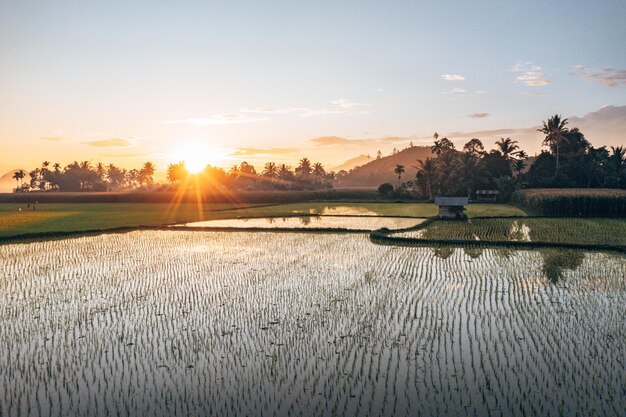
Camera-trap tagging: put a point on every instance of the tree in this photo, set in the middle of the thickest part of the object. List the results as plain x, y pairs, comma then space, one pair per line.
426, 176
554, 130
303, 170
474, 147
399, 170
270, 170
519, 165
115, 175
470, 172
617, 164
496, 164
508, 148
318, 170
284, 173
146, 174
442, 146
18, 176
176, 172
385, 189
379, 154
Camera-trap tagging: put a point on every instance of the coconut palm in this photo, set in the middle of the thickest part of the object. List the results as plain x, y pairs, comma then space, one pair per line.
426, 175
554, 130
18, 176
508, 148
304, 168
470, 171
442, 145
270, 170
318, 170
399, 170
617, 163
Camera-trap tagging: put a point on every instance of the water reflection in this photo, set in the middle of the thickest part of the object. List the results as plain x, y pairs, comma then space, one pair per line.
556, 261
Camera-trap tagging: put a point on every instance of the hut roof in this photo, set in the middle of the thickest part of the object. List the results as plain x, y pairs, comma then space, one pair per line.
451, 201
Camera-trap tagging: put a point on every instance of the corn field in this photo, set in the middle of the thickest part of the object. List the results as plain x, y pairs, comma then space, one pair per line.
166, 323
574, 202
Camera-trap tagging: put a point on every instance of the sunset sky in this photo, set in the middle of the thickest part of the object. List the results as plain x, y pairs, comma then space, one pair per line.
130, 81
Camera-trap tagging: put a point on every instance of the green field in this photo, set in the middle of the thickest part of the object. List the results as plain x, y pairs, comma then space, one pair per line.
102, 216
593, 231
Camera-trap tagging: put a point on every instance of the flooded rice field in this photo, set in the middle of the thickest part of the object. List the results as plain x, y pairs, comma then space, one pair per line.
163, 323
313, 222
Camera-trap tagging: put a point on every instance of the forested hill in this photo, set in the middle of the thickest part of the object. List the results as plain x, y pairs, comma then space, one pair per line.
379, 171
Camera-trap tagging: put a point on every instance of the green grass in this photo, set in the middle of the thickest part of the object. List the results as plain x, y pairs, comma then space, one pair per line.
594, 231
102, 216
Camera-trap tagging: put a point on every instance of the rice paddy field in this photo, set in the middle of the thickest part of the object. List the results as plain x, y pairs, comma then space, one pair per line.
173, 322
312, 222
593, 231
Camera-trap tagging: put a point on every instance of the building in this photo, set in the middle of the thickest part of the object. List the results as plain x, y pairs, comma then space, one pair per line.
451, 207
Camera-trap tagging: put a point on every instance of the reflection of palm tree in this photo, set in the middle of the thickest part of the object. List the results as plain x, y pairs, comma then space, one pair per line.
399, 170
305, 220
443, 252
555, 131
473, 253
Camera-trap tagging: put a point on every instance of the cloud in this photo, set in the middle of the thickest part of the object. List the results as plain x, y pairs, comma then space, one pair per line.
457, 90
271, 110
326, 141
610, 77
264, 152
453, 77
478, 115
342, 106
105, 143
53, 138
531, 75
122, 155
219, 119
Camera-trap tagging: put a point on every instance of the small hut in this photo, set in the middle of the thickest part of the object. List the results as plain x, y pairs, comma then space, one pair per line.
451, 207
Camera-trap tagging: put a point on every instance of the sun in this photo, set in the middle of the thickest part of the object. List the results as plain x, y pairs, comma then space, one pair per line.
195, 155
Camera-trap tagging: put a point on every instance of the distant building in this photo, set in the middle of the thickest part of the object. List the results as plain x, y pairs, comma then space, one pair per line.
487, 195
451, 207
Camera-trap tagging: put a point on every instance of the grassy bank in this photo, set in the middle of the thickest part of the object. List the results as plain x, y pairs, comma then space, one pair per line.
99, 216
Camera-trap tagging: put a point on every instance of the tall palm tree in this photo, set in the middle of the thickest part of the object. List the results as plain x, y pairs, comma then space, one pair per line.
555, 131
318, 170
470, 171
399, 170
304, 168
270, 170
17, 176
284, 172
426, 175
508, 148
617, 162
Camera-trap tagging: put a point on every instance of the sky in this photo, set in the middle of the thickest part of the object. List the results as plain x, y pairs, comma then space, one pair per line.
220, 82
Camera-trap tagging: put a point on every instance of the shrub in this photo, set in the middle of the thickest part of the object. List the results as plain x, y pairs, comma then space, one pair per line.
385, 189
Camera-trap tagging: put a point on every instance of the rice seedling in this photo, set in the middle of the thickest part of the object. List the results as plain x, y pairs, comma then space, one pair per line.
165, 323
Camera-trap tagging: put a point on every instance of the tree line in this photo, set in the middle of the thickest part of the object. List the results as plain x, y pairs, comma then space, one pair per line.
570, 161
305, 176
84, 176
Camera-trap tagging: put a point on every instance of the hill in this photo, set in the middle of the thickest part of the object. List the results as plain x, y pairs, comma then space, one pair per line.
7, 183
380, 170
353, 163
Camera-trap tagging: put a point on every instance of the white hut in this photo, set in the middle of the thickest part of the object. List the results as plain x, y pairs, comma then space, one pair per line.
451, 207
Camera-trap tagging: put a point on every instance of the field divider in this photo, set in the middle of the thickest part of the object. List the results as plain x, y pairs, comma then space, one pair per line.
383, 237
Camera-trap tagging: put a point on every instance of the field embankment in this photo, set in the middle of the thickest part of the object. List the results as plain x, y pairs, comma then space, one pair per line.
573, 202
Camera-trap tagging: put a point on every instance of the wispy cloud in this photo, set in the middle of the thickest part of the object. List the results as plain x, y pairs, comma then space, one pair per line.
453, 77
264, 152
610, 77
272, 110
530, 75
53, 138
105, 143
457, 90
326, 141
478, 115
341, 106
219, 119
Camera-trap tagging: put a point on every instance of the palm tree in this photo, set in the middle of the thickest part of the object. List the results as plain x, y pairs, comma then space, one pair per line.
284, 172
318, 170
554, 130
617, 162
270, 170
18, 176
441, 146
304, 168
470, 171
57, 167
508, 148
399, 170
426, 175
519, 165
